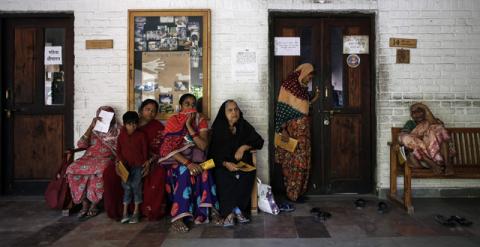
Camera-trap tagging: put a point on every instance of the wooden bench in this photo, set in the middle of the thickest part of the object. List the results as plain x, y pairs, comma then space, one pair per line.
466, 163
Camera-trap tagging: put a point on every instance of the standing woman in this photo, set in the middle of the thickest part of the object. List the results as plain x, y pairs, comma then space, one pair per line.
292, 120
190, 188
153, 206
232, 138
85, 175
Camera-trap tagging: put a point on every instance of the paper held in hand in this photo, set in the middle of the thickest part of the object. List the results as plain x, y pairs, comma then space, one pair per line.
122, 171
104, 125
244, 167
209, 164
289, 146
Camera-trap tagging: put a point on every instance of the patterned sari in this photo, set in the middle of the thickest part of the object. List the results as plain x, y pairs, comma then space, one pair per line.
292, 115
85, 175
191, 196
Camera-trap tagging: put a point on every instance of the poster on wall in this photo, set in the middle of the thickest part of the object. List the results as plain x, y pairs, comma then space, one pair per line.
244, 66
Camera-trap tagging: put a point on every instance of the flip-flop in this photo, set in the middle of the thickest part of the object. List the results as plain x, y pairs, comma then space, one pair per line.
82, 214
440, 219
360, 203
460, 220
382, 208
286, 207
322, 216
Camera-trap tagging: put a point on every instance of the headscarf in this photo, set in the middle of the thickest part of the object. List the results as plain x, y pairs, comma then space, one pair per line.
293, 99
428, 114
224, 144
109, 138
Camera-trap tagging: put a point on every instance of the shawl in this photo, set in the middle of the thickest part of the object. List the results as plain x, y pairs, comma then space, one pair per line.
293, 99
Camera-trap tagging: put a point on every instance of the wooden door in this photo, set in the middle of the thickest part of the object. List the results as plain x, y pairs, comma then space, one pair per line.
342, 125
37, 91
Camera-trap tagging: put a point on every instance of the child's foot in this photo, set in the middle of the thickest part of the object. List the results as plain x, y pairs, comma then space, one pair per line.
125, 219
135, 219
229, 221
241, 218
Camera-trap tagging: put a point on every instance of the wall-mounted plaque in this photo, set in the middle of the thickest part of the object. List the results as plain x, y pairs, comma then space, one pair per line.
99, 44
407, 43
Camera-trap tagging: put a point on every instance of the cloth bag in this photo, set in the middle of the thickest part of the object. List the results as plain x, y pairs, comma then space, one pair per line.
57, 194
266, 202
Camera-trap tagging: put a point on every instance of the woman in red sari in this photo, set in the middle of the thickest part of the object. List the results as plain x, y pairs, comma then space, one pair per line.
85, 174
153, 206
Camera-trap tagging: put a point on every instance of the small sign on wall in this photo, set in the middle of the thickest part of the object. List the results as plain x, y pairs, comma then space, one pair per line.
403, 56
407, 43
99, 44
53, 55
287, 46
355, 44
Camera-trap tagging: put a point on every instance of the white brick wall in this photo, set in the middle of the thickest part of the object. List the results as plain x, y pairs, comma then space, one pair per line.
444, 70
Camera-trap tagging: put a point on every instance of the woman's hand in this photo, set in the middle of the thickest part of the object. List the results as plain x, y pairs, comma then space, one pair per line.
240, 151
194, 168
191, 117
230, 166
94, 121
285, 135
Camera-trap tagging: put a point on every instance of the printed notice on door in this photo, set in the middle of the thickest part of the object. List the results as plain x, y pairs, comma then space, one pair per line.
53, 55
245, 67
287, 46
355, 44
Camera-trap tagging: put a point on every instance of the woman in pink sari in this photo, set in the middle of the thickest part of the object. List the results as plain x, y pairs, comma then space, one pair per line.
426, 140
85, 175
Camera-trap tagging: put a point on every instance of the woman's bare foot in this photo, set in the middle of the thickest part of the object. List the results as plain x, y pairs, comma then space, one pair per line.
179, 226
216, 218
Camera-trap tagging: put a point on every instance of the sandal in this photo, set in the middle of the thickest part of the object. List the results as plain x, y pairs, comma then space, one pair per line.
179, 226
444, 221
322, 216
216, 218
83, 213
199, 220
229, 221
360, 203
382, 207
460, 220
242, 219
92, 212
286, 207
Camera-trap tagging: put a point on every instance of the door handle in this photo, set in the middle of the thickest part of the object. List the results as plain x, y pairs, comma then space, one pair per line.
8, 112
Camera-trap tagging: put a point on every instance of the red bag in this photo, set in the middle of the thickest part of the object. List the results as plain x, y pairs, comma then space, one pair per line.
57, 194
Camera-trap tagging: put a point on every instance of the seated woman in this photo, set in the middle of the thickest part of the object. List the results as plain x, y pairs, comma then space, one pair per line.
85, 175
232, 138
190, 188
426, 140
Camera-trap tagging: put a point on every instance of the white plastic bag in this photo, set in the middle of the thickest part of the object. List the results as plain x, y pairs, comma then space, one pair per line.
266, 202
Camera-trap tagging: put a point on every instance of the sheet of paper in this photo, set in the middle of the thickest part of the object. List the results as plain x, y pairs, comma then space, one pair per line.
244, 66
104, 125
287, 46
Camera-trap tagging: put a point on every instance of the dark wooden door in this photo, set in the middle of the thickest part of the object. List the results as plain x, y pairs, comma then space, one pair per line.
342, 120
37, 100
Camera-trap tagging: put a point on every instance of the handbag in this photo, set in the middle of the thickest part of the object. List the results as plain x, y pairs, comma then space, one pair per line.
266, 202
57, 194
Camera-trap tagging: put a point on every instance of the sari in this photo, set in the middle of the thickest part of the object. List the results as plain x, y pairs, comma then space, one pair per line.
191, 196
154, 205
292, 114
234, 188
85, 175
426, 137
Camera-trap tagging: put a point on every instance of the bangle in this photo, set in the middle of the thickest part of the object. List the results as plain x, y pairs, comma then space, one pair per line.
188, 162
194, 135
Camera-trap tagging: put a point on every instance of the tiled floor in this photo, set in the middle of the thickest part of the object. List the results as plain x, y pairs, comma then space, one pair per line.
26, 221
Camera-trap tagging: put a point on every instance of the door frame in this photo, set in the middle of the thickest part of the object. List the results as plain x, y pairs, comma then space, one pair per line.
6, 167
272, 16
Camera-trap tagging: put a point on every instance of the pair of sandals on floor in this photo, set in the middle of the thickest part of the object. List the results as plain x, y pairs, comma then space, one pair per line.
181, 227
452, 221
88, 212
382, 207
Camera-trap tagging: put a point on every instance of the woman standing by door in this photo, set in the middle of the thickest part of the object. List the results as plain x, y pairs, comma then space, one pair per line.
292, 120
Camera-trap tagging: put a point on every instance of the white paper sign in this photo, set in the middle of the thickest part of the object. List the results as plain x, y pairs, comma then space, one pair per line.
287, 46
104, 125
244, 67
53, 55
355, 44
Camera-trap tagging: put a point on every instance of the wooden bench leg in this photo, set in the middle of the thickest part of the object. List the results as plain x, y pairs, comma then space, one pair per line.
408, 189
393, 171
254, 198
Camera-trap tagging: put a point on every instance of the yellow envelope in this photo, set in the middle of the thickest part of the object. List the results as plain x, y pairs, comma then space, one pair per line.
209, 164
122, 171
289, 146
244, 167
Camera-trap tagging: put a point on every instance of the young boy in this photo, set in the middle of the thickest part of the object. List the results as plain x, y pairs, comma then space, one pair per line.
132, 151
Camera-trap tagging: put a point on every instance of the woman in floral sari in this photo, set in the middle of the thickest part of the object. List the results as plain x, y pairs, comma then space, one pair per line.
85, 175
191, 189
426, 140
292, 120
